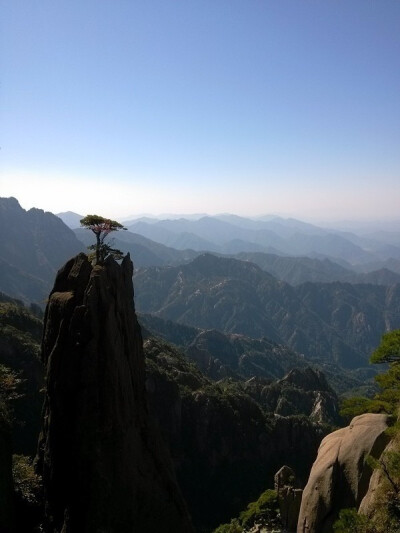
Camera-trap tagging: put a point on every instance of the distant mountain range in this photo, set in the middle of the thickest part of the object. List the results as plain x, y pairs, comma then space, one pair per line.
297, 270
335, 322
230, 234
70, 219
34, 244
290, 249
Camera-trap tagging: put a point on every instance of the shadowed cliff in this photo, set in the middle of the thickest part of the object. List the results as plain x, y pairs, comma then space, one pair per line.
104, 467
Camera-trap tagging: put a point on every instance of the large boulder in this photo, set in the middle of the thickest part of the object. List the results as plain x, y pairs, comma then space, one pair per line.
340, 475
104, 467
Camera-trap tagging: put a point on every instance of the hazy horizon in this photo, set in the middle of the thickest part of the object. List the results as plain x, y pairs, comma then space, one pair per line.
361, 224
252, 108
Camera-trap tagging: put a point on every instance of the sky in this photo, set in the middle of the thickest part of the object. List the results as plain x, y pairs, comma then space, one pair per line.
252, 107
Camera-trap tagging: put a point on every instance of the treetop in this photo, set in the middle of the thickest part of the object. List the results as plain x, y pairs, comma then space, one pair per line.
389, 349
101, 227
98, 223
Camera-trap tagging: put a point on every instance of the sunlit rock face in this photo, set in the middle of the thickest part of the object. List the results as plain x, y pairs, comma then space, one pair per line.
340, 476
104, 467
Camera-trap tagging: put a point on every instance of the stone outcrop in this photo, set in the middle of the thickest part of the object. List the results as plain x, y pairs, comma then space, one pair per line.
104, 467
302, 391
289, 497
340, 476
316, 398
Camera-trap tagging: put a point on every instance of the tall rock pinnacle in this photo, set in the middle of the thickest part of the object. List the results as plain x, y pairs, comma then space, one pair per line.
104, 467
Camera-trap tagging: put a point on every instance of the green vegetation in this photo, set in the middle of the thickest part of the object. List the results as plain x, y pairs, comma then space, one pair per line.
14, 315
9, 382
387, 400
21, 374
359, 405
265, 509
351, 522
389, 349
389, 352
167, 361
385, 517
26, 481
233, 527
27, 494
102, 227
389, 464
263, 512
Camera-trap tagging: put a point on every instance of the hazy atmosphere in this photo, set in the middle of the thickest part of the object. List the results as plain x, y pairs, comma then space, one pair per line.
250, 107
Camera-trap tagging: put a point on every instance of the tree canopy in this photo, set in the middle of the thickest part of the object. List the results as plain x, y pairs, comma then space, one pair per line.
102, 227
387, 400
389, 349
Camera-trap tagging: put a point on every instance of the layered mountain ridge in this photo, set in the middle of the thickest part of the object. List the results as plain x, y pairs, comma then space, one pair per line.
34, 244
335, 322
283, 236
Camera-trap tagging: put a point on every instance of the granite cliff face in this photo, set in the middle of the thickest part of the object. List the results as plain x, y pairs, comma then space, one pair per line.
104, 467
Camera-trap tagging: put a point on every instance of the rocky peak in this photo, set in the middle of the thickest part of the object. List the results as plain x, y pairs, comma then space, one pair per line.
289, 497
104, 467
302, 391
307, 379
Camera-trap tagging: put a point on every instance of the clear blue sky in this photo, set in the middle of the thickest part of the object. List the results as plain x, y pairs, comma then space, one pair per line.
120, 107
